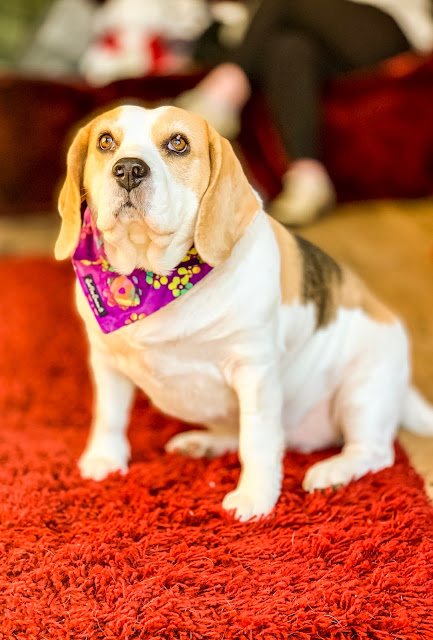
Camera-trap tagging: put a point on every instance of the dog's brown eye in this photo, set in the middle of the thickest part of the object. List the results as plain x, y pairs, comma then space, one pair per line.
178, 144
106, 142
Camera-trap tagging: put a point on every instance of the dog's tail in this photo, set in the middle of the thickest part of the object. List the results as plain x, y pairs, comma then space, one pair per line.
417, 413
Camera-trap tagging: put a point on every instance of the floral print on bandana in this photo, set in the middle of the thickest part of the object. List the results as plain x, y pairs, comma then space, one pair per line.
118, 300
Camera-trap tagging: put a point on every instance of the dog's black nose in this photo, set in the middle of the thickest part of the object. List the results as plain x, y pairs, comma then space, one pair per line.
129, 172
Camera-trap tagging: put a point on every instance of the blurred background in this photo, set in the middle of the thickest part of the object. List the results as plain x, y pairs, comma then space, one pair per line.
62, 59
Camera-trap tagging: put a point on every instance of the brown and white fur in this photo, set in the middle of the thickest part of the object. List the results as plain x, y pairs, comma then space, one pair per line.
279, 346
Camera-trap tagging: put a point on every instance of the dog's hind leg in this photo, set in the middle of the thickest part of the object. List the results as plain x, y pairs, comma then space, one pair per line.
368, 409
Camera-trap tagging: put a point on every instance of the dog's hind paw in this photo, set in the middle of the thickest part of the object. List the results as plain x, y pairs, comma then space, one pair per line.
201, 444
339, 470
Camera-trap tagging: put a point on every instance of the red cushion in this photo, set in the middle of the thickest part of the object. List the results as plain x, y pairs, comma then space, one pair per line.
377, 133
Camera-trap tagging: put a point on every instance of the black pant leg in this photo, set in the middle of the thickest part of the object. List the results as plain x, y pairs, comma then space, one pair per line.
293, 46
353, 35
292, 86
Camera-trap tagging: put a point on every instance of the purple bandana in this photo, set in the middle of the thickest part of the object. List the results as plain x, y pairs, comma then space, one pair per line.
118, 300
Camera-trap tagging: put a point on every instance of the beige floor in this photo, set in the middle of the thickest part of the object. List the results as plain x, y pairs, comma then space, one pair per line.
390, 244
28, 235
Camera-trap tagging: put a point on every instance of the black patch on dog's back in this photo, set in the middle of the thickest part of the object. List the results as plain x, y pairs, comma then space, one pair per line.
321, 274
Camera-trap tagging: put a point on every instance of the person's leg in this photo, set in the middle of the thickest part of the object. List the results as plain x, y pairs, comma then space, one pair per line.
352, 35
270, 18
355, 35
330, 38
221, 96
347, 36
292, 84
312, 41
296, 68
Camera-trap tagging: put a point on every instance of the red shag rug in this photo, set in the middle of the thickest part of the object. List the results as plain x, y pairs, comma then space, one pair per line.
152, 555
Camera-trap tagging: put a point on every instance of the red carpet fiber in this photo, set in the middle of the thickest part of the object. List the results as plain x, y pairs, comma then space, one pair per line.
152, 555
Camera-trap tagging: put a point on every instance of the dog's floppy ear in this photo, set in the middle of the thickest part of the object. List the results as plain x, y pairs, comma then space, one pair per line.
228, 205
70, 196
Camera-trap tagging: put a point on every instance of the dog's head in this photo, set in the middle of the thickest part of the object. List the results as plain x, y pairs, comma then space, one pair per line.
156, 181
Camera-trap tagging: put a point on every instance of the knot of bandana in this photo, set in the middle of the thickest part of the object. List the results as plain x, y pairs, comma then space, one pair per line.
117, 300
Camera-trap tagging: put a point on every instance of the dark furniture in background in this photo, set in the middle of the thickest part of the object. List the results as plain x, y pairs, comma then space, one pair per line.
377, 132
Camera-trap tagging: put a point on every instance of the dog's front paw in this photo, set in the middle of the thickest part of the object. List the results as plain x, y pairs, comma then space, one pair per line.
97, 463
246, 506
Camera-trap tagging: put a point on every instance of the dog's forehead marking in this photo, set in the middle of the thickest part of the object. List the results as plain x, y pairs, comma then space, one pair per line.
173, 120
136, 124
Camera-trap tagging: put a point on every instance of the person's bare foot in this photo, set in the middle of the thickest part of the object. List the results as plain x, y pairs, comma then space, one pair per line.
219, 98
307, 192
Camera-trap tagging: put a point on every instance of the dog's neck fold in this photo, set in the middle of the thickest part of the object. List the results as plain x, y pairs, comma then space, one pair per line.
119, 300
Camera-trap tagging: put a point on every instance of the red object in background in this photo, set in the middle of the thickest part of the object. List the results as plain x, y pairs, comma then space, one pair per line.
377, 139
110, 41
152, 554
378, 131
161, 55
153, 46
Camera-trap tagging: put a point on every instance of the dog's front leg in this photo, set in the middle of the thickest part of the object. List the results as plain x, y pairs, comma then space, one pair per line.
261, 441
107, 448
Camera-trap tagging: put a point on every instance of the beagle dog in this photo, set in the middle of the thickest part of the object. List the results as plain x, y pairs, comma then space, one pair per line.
277, 346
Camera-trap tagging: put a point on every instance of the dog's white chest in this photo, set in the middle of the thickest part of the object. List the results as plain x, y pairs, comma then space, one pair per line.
179, 382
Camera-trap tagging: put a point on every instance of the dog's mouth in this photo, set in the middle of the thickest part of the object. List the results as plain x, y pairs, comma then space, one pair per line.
139, 226
141, 230
129, 208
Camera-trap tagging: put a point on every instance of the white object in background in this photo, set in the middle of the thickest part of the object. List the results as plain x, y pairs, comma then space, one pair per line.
125, 32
